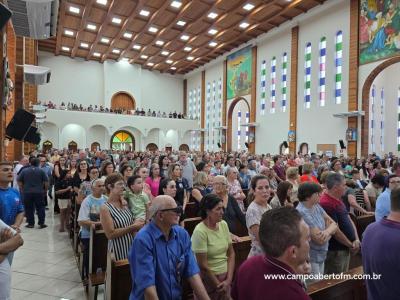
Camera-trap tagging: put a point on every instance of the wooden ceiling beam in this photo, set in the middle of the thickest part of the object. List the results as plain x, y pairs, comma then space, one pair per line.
85, 16
213, 24
124, 27
145, 27
221, 33
103, 25
240, 36
60, 26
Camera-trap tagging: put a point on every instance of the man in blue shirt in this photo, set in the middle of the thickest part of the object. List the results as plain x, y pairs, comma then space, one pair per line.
383, 203
11, 207
161, 256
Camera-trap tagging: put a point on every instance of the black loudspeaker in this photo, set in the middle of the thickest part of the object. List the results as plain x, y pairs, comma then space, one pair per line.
219, 145
342, 146
285, 144
32, 136
247, 145
19, 124
5, 15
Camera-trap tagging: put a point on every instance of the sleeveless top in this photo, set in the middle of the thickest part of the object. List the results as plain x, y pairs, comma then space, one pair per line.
359, 193
121, 218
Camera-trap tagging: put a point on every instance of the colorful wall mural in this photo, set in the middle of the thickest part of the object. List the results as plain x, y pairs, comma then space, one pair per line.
239, 73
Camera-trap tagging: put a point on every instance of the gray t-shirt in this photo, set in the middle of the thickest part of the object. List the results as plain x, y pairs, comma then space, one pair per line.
33, 179
187, 171
314, 217
253, 217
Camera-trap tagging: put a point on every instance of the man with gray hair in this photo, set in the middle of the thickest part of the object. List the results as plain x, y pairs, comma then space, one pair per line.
346, 238
161, 255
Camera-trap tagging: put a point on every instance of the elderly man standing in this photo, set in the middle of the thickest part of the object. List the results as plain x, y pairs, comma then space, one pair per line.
188, 168
161, 256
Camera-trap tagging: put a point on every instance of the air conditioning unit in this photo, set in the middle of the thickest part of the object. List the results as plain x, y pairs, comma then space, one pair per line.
36, 19
36, 75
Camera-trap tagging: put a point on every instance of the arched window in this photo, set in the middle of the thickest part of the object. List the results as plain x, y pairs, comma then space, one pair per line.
263, 85
338, 65
284, 81
122, 140
372, 119
152, 147
322, 73
307, 76
382, 137
273, 84
398, 119
239, 129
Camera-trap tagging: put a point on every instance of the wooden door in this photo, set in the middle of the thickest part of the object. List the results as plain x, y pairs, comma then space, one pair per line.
72, 146
123, 100
95, 147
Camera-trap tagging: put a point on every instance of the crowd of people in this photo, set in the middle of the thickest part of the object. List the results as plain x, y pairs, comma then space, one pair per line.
121, 111
297, 210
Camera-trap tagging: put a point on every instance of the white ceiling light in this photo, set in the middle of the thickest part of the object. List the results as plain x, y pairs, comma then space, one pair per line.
169, 61
181, 23
144, 56
64, 48
187, 49
128, 35
159, 43
165, 53
212, 31
176, 4
116, 20
212, 15
105, 40
150, 64
190, 58
153, 29
116, 51
137, 47
91, 26
96, 54
173, 68
212, 44
184, 37
144, 13
74, 9
244, 25
84, 45
248, 6
68, 32
102, 2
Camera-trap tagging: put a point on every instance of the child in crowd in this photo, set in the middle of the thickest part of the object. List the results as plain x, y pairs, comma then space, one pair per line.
138, 201
63, 190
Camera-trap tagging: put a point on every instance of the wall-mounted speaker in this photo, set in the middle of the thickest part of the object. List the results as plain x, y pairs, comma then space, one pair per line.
342, 146
20, 124
32, 136
5, 15
219, 145
247, 145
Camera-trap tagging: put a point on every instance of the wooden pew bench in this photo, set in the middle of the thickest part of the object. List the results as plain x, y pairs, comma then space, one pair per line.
97, 260
118, 278
190, 224
191, 210
339, 289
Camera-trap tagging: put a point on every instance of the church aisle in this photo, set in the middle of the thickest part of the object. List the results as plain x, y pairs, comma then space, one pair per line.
45, 268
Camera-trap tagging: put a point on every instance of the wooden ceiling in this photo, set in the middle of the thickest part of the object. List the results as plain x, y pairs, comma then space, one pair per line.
165, 50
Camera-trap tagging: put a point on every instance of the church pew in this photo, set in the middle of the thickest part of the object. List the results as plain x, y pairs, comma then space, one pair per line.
191, 210
362, 223
190, 224
118, 279
97, 260
242, 250
334, 289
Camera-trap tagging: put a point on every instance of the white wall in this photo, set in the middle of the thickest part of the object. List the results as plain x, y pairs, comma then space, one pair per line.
98, 133
72, 80
389, 80
316, 125
273, 127
50, 132
73, 132
88, 82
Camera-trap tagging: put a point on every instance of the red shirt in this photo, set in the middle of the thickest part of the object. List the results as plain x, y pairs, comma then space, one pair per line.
250, 282
308, 178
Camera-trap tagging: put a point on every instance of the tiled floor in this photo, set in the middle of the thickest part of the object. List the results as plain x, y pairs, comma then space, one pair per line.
45, 267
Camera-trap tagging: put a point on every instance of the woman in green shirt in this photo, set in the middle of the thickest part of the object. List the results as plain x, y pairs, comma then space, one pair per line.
212, 244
